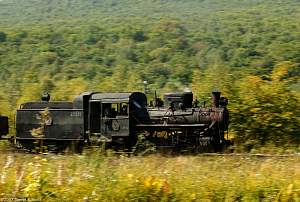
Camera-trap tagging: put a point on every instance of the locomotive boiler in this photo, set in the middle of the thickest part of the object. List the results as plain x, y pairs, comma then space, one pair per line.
181, 123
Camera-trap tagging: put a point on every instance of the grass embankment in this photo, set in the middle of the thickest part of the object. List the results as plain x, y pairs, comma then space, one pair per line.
92, 177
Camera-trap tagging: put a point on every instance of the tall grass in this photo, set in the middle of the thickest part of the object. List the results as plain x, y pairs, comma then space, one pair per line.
95, 177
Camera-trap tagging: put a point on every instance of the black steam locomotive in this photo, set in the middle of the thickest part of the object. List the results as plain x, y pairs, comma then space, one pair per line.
118, 119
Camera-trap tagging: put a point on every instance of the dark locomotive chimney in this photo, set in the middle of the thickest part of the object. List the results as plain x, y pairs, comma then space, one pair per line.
46, 97
215, 99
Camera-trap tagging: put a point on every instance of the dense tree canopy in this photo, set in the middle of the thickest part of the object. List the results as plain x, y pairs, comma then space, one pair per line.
248, 49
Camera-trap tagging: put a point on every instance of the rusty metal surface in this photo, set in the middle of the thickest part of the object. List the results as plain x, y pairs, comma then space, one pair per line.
64, 124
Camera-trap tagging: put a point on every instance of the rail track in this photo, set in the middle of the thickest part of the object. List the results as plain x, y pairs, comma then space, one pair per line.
12, 149
251, 155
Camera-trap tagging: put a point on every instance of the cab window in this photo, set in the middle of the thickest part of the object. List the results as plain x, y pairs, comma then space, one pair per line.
115, 109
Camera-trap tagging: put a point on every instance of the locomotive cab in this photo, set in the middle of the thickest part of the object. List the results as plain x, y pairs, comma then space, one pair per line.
111, 116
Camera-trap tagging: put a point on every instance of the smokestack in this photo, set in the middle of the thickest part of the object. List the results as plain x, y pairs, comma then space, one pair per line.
215, 99
46, 97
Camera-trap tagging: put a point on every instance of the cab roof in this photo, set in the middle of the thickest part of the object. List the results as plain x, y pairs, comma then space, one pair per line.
118, 97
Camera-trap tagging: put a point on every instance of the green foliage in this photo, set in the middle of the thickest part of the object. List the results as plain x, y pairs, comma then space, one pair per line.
65, 47
94, 177
267, 111
2, 37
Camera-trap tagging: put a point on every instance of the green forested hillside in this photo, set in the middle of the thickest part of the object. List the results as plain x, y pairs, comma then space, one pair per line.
195, 11
249, 49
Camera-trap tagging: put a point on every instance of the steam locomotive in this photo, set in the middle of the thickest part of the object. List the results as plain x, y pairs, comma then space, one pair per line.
119, 118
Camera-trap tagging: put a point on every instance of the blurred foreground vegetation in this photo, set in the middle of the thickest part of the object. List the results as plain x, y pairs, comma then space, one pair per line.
249, 50
94, 177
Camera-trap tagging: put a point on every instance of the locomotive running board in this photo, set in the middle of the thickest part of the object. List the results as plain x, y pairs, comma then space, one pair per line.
49, 139
171, 125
